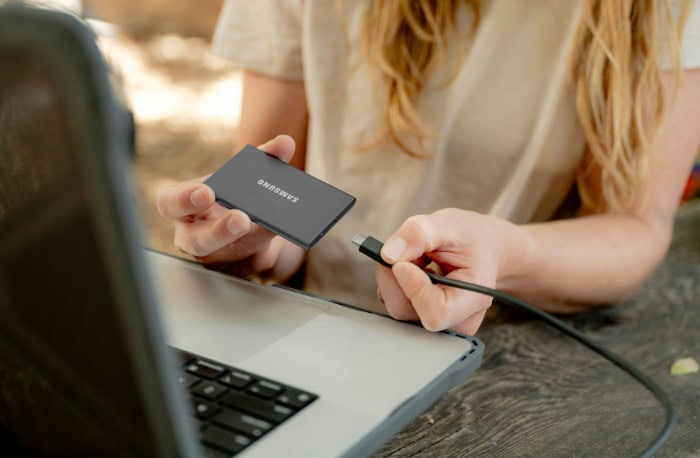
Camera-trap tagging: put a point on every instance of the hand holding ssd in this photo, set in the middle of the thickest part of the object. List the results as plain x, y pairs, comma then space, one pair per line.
279, 197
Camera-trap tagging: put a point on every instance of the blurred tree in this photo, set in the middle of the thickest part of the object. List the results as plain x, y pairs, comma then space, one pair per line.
143, 18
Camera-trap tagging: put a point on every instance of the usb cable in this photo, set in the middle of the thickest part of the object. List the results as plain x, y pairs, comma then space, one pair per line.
372, 247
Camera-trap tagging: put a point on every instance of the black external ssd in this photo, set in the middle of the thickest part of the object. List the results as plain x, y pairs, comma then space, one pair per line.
279, 197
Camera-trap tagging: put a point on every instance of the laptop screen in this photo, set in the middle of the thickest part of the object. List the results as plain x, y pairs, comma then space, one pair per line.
67, 384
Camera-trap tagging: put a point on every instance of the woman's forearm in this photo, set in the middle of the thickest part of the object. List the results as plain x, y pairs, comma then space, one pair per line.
604, 258
572, 264
272, 106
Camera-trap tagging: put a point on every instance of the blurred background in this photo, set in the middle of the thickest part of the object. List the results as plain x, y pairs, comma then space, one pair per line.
185, 100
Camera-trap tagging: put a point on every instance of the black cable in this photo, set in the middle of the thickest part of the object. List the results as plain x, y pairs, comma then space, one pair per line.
371, 247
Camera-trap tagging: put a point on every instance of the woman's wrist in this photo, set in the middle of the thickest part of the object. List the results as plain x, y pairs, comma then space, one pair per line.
518, 254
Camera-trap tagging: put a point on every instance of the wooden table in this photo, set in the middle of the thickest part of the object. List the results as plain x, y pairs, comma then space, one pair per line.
540, 393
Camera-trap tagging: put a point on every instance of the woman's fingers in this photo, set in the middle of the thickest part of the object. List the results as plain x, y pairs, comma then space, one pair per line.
191, 197
183, 199
441, 307
416, 236
471, 324
202, 237
228, 238
263, 260
393, 297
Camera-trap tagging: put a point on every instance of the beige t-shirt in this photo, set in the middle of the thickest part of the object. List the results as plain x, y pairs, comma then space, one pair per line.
506, 143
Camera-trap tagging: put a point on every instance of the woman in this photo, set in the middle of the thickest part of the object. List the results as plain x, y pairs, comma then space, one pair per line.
539, 147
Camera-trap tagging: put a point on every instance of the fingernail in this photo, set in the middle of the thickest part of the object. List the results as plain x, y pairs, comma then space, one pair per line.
266, 144
394, 248
199, 198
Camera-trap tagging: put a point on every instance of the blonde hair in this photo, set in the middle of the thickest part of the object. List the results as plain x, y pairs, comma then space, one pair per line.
618, 83
404, 42
615, 68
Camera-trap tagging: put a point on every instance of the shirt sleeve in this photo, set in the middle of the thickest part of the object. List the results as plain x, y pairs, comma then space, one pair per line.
690, 40
262, 35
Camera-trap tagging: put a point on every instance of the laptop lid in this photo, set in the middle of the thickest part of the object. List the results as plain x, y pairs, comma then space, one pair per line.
101, 387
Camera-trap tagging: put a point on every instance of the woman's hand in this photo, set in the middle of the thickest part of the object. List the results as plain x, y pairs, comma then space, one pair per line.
223, 238
456, 243
561, 266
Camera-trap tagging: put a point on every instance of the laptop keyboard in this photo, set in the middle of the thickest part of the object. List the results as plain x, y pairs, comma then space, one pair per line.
233, 408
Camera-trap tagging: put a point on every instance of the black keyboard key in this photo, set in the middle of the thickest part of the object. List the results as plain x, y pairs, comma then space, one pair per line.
205, 369
231, 407
282, 412
295, 398
209, 453
265, 389
268, 410
204, 409
242, 422
209, 390
188, 380
223, 440
237, 379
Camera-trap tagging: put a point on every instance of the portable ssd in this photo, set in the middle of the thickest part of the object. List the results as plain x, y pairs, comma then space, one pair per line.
279, 197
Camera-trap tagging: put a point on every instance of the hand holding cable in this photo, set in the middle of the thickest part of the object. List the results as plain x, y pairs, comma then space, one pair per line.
372, 248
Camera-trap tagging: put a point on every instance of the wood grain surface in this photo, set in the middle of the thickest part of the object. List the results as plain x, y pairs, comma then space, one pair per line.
540, 393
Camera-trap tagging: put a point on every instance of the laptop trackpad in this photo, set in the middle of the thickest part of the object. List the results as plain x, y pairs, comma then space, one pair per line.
223, 317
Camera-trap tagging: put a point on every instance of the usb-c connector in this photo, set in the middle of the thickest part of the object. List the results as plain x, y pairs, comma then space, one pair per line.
371, 247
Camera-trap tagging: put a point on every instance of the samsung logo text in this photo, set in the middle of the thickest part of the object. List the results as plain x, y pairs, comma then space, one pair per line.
280, 192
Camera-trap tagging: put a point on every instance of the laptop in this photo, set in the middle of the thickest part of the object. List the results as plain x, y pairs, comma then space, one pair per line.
110, 349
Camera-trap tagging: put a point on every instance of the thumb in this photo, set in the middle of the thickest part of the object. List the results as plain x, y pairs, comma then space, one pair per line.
416, 236
282, 147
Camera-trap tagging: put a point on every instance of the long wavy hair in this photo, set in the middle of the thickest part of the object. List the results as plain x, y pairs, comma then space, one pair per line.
614, 67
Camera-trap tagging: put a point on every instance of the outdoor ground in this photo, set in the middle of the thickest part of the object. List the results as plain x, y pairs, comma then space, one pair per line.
185, 102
